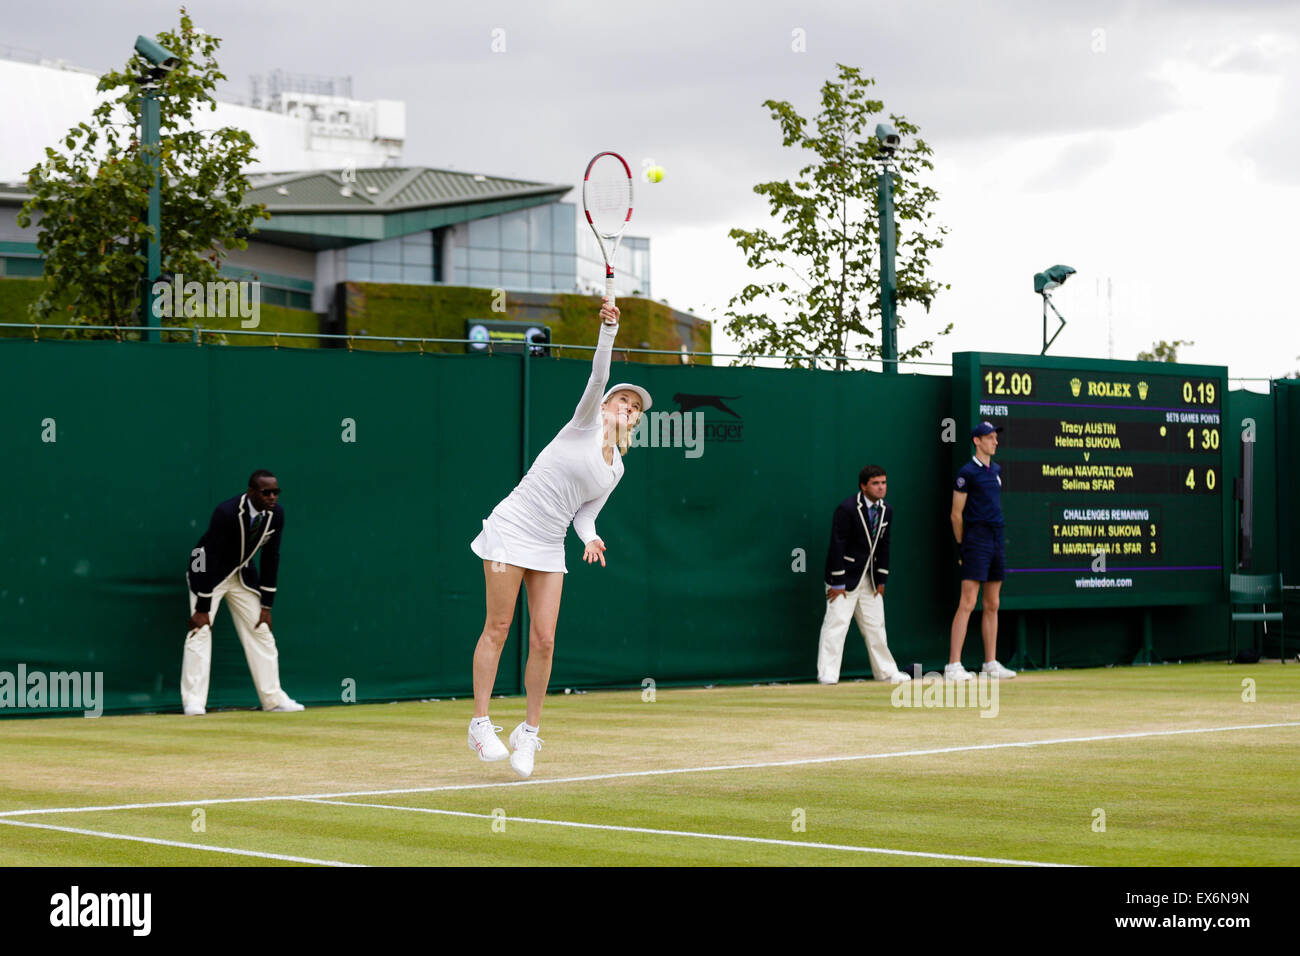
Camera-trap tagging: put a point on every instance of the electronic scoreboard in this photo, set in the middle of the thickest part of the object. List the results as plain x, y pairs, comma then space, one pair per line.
1113, 484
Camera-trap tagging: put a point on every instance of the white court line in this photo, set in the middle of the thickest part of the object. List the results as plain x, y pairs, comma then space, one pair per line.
809, 844
186, 846
648, 773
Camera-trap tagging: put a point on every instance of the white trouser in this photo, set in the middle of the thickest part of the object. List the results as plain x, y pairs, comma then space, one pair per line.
868, 608
259, 647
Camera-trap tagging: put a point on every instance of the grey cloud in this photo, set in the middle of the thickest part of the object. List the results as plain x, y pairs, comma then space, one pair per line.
1075, 164
681, 80
1275, 148
1250, 60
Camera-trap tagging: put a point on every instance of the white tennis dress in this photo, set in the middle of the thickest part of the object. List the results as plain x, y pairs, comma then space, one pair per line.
569, 481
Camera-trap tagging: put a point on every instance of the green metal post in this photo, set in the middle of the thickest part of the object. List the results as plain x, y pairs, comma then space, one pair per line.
150, 134
1148, 653
1021, 660
525, 452
888, 281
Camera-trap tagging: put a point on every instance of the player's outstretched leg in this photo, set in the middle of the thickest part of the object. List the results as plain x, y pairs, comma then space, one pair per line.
544, 588
501, 583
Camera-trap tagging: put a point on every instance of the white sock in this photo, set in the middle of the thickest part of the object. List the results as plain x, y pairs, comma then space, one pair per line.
529, 729
480, 722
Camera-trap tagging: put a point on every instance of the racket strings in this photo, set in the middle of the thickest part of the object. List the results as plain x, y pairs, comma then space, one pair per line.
607, 194
608, 205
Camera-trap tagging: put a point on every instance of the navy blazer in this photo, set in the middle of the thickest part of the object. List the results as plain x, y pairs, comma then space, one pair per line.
228, 544
854, 549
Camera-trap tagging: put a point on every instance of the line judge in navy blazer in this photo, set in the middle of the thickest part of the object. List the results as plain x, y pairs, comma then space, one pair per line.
857, 569
222, 566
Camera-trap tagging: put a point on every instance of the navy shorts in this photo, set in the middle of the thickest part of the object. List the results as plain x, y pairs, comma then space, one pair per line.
983, 556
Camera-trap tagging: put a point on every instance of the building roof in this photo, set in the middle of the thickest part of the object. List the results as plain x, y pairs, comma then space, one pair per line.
331, 209
321, 209
386, 190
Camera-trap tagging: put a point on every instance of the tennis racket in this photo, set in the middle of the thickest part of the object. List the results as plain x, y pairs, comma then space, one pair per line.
607, 201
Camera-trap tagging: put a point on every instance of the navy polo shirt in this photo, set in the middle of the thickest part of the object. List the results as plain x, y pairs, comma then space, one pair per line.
983, 487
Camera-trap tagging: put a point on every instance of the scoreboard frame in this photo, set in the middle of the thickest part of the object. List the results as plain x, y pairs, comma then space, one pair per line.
1160, 382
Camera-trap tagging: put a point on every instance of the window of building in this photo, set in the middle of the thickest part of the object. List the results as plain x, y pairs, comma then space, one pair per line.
539, 228
485, 233
514, 230
533, 249
403, 259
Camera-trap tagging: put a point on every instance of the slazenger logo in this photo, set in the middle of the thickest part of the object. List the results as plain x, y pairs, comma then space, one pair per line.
103, 909
718, 429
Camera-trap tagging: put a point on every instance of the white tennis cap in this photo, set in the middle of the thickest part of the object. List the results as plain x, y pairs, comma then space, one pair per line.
645, 396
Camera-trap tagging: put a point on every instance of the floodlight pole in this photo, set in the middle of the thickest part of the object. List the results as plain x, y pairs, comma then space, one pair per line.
888, 280
150, 135
1047, 302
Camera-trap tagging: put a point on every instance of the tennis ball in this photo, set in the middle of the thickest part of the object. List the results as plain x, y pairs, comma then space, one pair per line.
654, 174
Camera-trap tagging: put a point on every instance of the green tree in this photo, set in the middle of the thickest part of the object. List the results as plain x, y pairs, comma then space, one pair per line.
1163, 351
92, 195
819, 273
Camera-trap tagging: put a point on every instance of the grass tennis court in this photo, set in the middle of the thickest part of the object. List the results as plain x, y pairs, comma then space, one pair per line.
1204, 779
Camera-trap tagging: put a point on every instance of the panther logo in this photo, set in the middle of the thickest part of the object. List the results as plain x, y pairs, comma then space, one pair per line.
688, 403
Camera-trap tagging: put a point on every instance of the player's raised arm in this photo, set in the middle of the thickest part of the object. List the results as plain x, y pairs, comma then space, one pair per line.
587, 414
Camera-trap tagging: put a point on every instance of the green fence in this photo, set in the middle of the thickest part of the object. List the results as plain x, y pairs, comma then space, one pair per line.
1286, 395
714, 564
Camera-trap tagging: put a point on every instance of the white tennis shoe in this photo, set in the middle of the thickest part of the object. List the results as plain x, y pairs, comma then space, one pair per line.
485, 742
994, 669
956, 672
525, 747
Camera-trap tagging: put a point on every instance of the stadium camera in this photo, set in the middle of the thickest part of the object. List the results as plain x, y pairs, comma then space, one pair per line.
888, 138
156, 53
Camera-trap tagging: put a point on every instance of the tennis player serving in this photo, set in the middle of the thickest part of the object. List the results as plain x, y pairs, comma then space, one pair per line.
523, 540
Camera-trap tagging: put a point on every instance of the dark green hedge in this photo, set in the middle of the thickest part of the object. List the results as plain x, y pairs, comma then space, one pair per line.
420, 311
433, 311
16, 295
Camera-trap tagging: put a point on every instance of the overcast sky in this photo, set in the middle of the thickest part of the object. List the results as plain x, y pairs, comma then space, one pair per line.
1149, 145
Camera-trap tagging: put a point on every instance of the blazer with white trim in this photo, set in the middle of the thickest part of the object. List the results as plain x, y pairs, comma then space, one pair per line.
854, 550
229, 544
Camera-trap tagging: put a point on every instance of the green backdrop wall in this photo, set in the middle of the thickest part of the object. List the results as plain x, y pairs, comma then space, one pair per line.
714, 564
1286, 404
